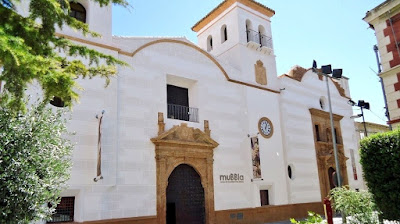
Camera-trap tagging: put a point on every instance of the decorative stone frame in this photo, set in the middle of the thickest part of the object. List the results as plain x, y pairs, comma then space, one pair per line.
324, 149
184, 145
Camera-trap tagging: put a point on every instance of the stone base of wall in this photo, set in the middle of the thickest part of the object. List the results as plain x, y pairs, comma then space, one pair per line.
259, 215
136, 220
271, 213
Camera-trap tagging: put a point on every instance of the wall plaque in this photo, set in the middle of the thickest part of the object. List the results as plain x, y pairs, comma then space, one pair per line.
231, 178
261, 73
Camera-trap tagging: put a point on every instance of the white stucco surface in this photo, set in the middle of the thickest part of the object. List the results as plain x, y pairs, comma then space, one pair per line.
136, 95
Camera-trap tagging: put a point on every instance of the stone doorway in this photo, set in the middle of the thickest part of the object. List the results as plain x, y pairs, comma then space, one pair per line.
187, 146
185, 197
324, 150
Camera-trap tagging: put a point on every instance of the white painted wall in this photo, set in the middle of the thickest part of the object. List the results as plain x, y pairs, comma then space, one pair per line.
229, 108
138, 93
296, 100
131, 104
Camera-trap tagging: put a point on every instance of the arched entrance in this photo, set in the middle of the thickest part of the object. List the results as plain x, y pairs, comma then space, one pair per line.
331, 172
185, 197
173, 148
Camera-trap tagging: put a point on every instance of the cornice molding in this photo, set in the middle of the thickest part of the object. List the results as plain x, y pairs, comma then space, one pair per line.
391, 71
324, 114
183, 135
133, 54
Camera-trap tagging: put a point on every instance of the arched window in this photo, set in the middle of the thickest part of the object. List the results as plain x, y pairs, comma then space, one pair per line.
249, 33
209, 43
322, 103
224, 34
291, 172
331, 175
77, 11
261, 33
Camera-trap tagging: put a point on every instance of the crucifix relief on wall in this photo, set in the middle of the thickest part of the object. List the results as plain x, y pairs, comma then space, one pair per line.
98, 173
261, 73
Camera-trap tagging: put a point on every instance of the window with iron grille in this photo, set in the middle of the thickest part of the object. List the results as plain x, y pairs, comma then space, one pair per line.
64, 211
178, 104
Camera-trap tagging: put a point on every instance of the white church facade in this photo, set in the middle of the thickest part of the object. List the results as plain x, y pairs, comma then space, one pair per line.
205, 133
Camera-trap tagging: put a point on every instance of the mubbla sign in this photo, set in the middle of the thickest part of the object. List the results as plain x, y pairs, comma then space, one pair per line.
231, 178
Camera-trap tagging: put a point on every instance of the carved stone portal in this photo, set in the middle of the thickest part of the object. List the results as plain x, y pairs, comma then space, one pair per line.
261, 73
184, 145
324, 150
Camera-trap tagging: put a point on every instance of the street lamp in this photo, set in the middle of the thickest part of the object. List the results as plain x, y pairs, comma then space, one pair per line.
337, 74
361, 104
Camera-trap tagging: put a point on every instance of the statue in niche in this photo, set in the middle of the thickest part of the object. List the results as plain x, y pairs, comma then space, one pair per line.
328, 135
261, 73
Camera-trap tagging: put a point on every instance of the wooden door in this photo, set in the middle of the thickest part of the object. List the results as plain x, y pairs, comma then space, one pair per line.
185, 197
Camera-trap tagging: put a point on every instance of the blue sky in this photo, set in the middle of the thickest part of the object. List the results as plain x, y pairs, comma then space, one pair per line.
329, 31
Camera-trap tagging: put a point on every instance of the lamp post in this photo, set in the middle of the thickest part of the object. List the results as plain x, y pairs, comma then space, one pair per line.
361, 104
382, 86
337, 74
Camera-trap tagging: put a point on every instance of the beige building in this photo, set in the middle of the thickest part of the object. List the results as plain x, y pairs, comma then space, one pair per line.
385, 20
370, 128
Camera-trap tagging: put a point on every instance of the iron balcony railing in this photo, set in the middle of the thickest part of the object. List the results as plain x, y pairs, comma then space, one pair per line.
253, 36
183, 113
266, 41
261, 39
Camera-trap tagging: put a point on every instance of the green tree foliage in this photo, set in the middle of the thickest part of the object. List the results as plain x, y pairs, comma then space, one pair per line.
359, 206
34, 163
312, 218
380, 159
29, 50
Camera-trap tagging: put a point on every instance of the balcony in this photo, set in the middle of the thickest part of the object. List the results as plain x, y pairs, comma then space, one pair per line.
253, 37
183, 113
257, 40
266, 41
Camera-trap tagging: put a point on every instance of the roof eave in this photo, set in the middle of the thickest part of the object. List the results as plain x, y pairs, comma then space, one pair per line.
225, 5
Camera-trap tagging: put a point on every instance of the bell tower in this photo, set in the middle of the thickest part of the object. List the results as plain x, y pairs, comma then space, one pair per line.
98, 18
238, 32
